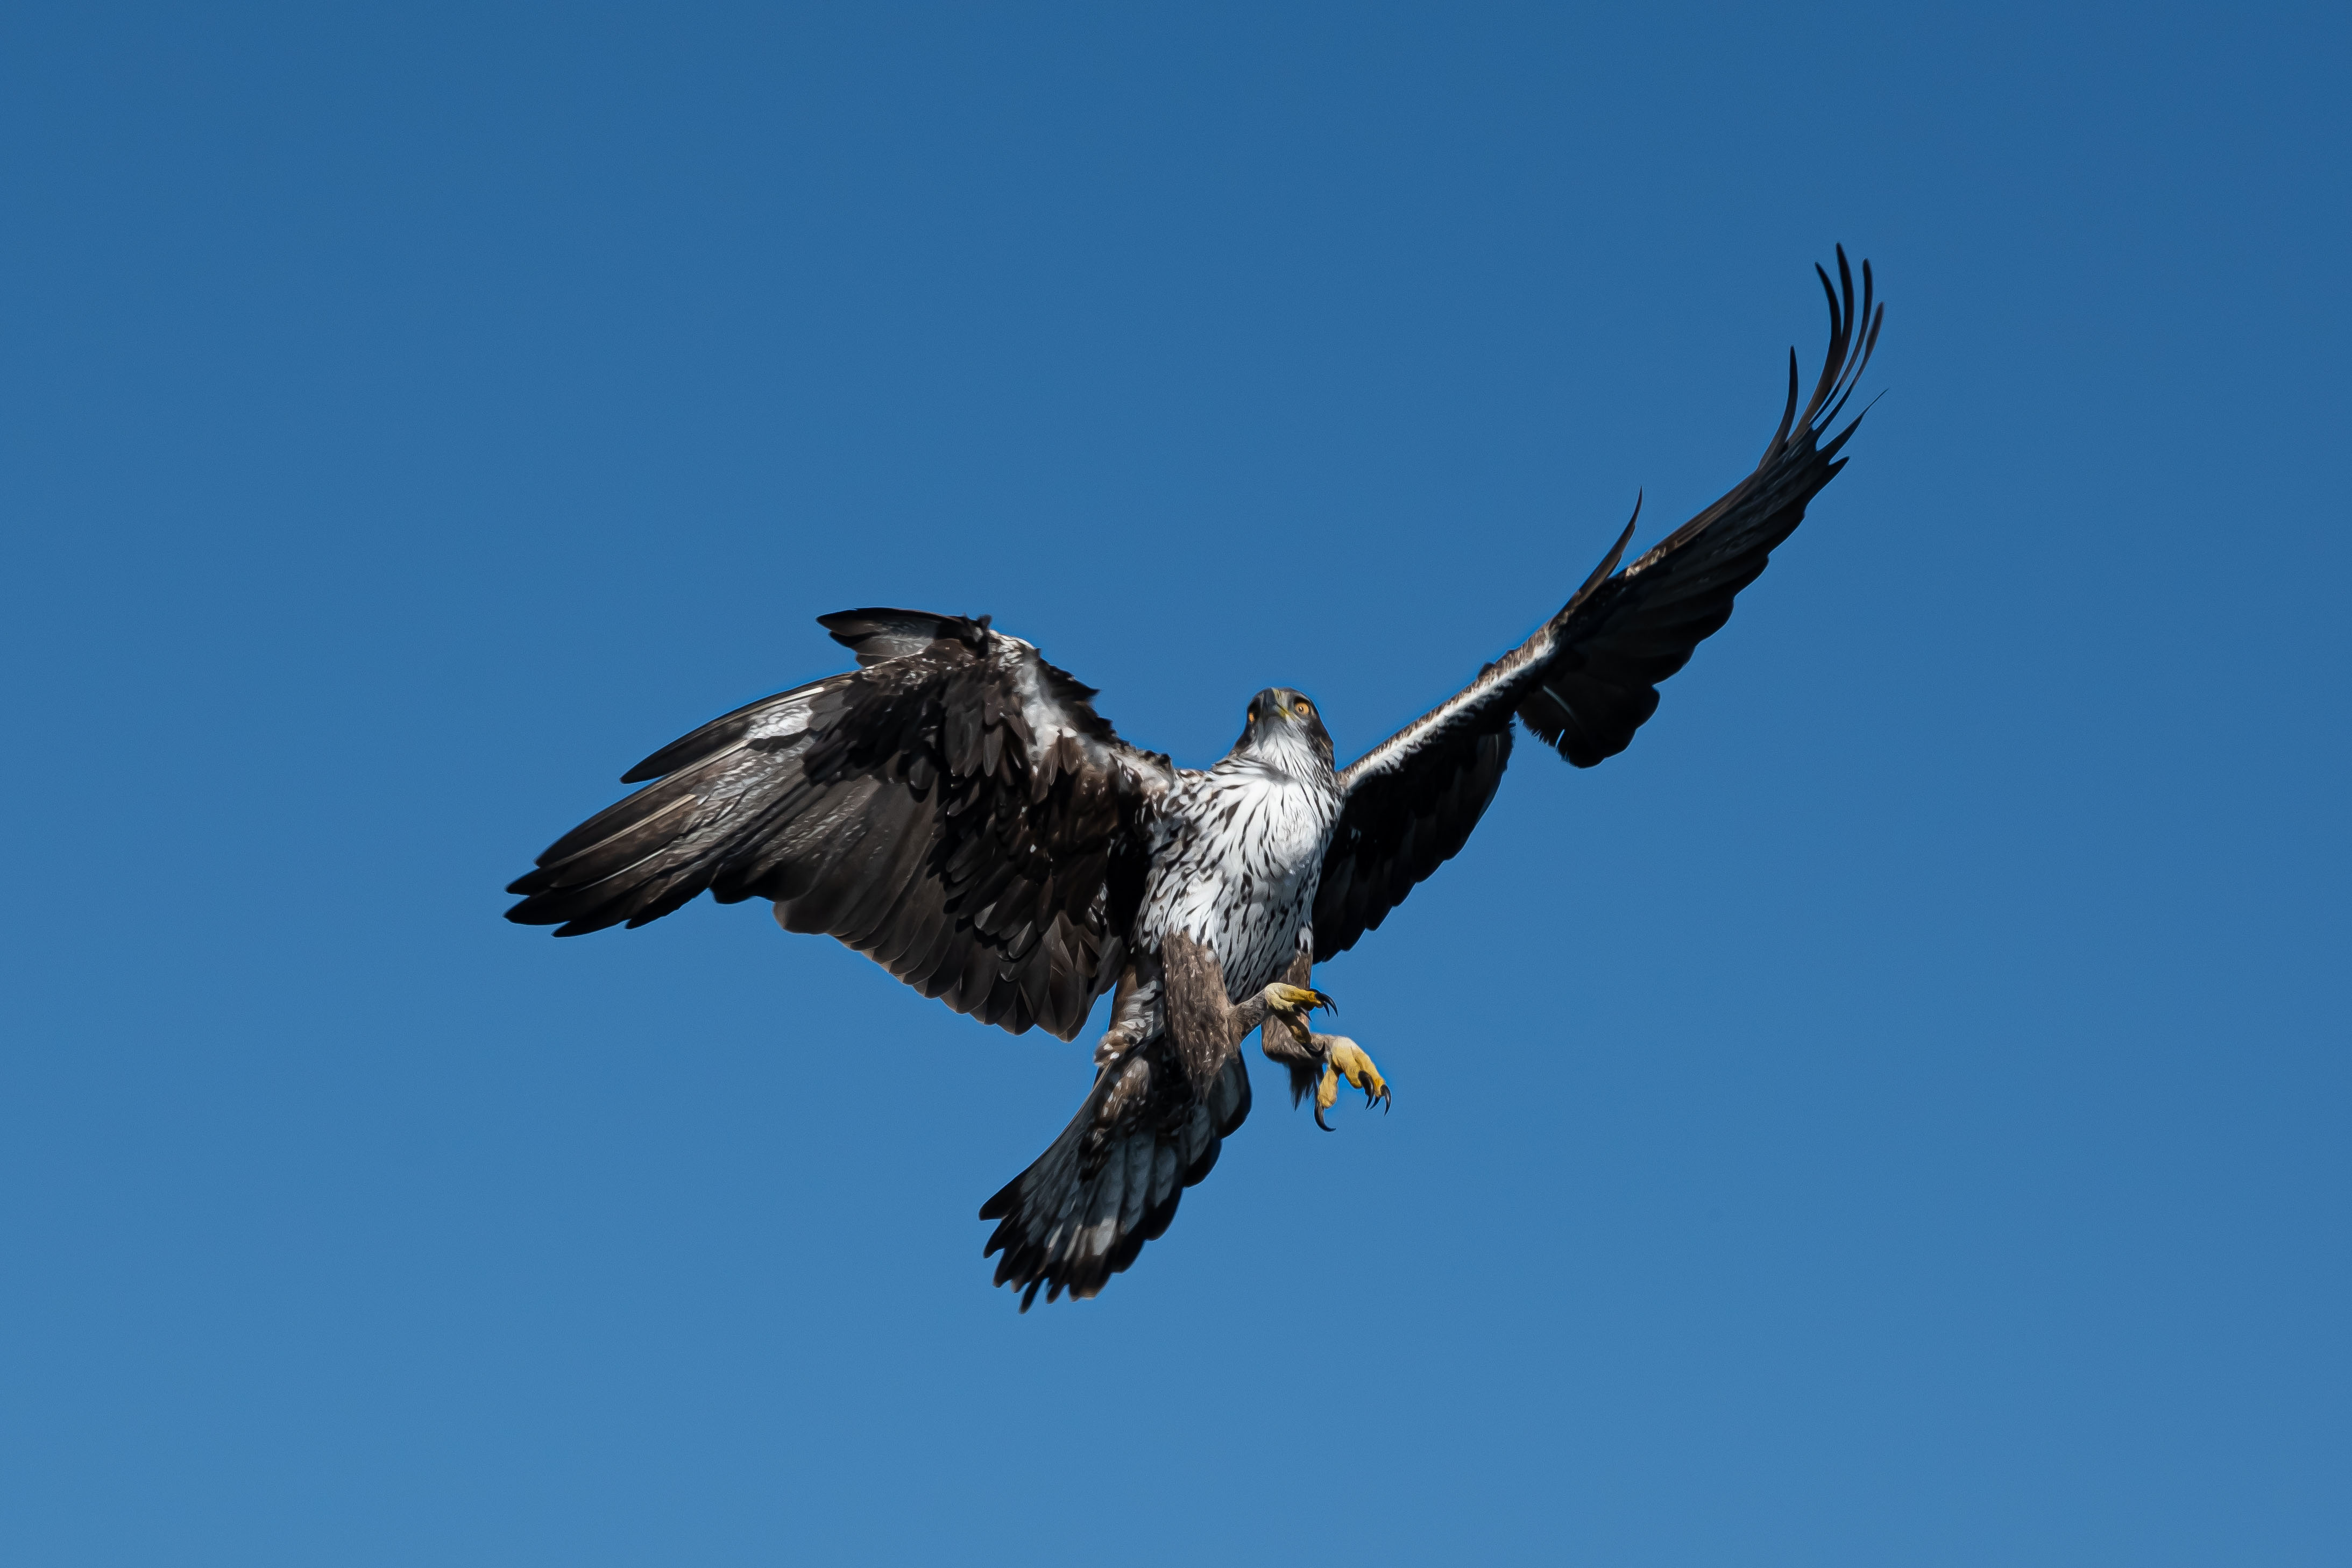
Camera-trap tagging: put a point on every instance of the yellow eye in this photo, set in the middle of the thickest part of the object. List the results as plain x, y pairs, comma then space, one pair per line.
1306, 708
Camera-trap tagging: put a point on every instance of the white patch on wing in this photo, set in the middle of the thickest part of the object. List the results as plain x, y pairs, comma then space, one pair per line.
1048, 720
784, 718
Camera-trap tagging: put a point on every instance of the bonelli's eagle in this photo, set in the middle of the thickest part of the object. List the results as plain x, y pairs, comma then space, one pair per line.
955, 808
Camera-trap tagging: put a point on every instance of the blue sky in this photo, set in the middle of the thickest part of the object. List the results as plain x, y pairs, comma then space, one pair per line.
1892, 1114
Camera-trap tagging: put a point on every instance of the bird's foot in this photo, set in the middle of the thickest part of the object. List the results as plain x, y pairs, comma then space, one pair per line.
1344, 1057
1292, 1004
1317, 1062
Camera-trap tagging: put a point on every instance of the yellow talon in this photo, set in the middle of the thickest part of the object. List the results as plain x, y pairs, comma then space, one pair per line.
1345, 1058
1293, 1002
1349, 1059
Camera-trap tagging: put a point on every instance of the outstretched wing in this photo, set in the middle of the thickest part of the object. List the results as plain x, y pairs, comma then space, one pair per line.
953, 807
1588, 677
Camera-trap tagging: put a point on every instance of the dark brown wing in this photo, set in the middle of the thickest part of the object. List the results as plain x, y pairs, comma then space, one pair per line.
1588, 677
955, 809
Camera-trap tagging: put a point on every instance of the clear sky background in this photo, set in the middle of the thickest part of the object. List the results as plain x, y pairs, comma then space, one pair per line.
1894, 1114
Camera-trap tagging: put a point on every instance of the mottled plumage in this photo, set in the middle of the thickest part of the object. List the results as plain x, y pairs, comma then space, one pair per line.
955, 808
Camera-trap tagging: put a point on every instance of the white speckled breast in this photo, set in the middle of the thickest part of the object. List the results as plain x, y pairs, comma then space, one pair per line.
1239, 863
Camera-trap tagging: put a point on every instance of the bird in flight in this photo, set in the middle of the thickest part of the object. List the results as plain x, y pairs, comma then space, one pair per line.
955, 809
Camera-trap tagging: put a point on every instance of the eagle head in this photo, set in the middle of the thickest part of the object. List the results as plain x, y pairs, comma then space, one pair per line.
1283, 720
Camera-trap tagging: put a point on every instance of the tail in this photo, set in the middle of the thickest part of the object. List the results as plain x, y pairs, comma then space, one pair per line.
1112, 1180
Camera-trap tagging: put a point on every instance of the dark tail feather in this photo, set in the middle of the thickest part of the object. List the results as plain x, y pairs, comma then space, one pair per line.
1112, 1180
